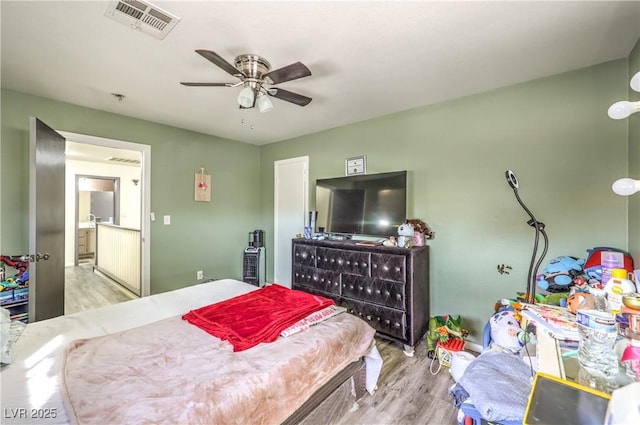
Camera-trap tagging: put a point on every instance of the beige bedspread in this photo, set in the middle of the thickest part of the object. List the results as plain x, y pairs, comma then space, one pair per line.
172, 372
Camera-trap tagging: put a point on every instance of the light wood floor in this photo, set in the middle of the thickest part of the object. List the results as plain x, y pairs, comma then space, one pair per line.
86, 290
407, 392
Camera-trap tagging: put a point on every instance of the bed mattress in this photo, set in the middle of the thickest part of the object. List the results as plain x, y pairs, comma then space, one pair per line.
32, 387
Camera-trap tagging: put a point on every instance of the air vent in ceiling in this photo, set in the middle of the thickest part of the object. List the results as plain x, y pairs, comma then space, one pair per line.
142, 16
122, 160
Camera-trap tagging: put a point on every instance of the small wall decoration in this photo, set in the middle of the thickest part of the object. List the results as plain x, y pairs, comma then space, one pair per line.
355, 165
202, 186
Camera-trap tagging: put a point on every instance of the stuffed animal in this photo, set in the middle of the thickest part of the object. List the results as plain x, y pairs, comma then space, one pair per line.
506, 333
556, 298
390, 242
560, 274
405, 235
580, 299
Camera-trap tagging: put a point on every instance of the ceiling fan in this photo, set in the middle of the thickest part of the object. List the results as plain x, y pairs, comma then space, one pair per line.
255, 73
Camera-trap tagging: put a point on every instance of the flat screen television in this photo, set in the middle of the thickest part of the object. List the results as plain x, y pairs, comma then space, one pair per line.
366, 204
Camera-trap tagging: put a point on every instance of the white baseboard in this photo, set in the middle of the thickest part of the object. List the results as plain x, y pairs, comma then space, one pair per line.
472, 346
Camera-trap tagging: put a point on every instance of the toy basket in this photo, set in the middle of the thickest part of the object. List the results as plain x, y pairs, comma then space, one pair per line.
444, 351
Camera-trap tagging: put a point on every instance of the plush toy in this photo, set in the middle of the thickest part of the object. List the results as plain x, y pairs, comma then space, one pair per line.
557, 298
578, 299
506, 333
405, 235
390, 242
442, 328
560, 274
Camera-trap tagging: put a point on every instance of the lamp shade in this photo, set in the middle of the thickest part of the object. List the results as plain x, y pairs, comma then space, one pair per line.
264, 103
245, 97
626, 186
623, 109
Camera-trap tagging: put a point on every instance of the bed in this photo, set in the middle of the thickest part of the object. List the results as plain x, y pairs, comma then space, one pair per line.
139, 362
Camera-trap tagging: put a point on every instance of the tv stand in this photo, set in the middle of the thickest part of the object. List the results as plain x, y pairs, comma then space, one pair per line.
388, 287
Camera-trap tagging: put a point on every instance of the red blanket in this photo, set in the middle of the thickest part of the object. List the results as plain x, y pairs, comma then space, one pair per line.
257, 316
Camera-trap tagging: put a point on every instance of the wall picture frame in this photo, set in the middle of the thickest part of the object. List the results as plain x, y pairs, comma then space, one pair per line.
202, 186
355, 165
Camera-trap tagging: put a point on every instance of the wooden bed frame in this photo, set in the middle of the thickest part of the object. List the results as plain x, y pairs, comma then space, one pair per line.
334, 398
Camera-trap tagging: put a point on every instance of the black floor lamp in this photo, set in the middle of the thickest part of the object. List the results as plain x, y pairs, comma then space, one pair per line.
530, 294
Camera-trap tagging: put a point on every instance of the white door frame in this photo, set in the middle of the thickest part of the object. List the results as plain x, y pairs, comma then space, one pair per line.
145, 187
305, 189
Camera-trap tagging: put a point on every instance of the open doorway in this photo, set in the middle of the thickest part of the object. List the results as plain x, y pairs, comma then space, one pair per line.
290, 204
107, 184
97, 201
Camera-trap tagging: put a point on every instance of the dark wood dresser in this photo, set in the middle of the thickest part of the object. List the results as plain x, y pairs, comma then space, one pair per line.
386, 287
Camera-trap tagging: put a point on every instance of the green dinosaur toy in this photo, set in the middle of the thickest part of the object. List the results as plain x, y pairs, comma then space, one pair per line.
441, 328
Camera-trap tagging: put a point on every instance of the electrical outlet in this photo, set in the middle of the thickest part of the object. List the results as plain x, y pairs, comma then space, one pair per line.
199, 275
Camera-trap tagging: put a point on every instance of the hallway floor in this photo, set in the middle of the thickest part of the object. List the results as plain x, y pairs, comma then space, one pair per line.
86, 290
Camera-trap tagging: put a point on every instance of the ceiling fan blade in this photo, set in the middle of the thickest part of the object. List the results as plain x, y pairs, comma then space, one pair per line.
288, 96
208, 84
288, 73
218, 60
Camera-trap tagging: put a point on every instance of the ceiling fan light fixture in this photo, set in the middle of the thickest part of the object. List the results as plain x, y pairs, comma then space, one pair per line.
245, 97
254, 72
264, 103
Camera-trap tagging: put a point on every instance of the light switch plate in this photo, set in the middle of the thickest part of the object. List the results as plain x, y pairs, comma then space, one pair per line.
167, 219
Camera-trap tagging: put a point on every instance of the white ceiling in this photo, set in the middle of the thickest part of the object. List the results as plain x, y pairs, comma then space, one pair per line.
368, 58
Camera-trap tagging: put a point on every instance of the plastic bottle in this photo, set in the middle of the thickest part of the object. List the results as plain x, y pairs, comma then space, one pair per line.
616, 287
597, 332
609, 260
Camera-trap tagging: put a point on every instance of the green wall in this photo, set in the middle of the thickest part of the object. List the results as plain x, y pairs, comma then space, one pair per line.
202, 236
554, 133
634, 159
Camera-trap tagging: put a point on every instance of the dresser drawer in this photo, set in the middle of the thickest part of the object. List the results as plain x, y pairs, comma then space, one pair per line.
389, 267
304, 255
324, 281
315, 291
377, 291
344, 261
387, 321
